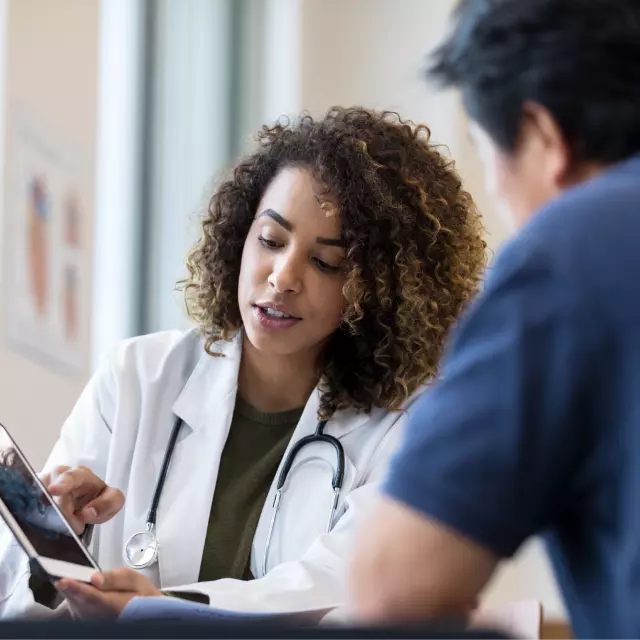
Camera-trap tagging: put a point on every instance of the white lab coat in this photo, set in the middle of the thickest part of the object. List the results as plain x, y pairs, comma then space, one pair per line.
120, 428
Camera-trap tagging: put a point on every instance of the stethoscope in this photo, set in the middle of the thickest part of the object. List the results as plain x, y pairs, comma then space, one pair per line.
141, 549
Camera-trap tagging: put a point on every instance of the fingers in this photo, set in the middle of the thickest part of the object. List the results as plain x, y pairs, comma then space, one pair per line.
45, 478
80, 481
126, 580
78, 589
83, 497
59, 483
122, 579
86, 602
104, 507
67, 506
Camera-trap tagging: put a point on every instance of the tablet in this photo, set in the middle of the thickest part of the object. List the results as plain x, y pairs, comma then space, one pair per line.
35, 519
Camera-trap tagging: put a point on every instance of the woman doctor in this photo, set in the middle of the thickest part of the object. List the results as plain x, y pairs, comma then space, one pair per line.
331, 266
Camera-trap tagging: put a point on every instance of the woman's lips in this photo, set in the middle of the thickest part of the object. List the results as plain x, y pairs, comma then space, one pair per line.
273, 322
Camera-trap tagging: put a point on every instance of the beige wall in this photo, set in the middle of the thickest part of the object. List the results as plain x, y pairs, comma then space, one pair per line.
372, 52
51, 68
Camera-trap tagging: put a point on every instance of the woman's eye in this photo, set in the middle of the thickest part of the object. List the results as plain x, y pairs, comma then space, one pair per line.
269, 244
326, 267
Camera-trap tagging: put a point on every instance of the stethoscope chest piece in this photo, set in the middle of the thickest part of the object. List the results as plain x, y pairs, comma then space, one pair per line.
141, 550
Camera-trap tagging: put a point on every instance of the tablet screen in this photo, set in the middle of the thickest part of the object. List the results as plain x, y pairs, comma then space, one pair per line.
32, 508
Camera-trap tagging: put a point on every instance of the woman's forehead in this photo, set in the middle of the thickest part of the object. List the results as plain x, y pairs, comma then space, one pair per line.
299, 198
291, 185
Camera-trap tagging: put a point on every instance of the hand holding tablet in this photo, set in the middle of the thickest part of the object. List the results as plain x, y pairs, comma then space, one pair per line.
35, 519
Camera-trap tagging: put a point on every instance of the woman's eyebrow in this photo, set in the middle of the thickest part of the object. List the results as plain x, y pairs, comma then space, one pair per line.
277, 218
285, 224
332, 242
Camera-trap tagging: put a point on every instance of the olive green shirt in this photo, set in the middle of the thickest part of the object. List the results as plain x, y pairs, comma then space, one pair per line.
250, 459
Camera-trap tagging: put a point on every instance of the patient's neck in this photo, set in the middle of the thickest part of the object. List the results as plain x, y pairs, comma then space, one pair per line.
276, 383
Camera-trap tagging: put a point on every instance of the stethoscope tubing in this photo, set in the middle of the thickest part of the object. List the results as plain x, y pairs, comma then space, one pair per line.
318, 436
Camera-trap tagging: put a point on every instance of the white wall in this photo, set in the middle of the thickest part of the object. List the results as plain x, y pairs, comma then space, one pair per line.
119, 172
189, 120
372, 52
51, 68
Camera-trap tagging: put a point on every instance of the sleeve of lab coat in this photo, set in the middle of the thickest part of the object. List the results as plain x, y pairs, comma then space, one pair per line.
84, 440
318, 580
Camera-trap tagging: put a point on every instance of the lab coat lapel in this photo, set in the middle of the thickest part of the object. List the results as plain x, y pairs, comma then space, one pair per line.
205, 407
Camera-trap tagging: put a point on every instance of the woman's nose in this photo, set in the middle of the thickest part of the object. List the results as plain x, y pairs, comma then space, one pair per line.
286, 276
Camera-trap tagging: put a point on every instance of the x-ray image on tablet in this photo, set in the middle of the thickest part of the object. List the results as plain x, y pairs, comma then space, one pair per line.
35, 519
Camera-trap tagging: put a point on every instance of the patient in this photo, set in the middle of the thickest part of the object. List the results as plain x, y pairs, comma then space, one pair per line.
534, 426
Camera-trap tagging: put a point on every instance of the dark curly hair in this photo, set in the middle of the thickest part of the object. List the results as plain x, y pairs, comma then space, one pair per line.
414, 249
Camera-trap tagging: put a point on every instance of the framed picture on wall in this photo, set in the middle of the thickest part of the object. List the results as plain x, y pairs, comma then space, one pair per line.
46, 257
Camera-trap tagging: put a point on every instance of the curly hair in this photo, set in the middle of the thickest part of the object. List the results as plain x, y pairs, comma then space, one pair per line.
414, 243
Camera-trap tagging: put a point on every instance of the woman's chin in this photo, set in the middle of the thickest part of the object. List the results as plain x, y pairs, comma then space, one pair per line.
269, 342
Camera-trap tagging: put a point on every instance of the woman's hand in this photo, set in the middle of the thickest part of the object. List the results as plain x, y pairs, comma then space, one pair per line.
82, 496
107, 595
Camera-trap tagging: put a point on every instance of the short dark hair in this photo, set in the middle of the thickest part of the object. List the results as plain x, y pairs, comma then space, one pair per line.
580, 59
